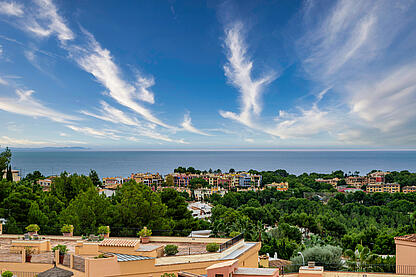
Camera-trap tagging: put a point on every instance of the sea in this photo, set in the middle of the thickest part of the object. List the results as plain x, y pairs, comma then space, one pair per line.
123, 163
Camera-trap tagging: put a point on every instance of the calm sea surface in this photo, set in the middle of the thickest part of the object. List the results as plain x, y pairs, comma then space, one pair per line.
123, 163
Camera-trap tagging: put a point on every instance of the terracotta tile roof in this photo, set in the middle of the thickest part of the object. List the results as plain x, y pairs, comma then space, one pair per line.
411, 237
119, 242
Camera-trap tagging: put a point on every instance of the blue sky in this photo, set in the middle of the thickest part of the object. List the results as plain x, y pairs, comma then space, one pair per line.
208, 74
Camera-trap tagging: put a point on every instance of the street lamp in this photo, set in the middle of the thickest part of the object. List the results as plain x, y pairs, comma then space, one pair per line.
303, 258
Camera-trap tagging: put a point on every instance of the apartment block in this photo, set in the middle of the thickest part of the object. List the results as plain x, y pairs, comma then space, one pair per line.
147, 178
113, 181
390, 188
356, 181
283, 186
408, 189
333, 181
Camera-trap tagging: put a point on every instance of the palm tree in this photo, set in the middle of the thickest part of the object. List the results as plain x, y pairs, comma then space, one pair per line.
360, 258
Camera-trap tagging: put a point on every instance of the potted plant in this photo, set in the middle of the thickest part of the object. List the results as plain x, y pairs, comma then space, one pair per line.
29, 251
144, 235
7, 274
62, 251
32, 229
67, 230
104, 231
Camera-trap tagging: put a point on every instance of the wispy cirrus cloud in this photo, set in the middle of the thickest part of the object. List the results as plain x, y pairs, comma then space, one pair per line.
47, 21
95, 132
358, 48
26, 104
99, 62
19, 142
116, 116
11, 8
111, 114
187, 126
238, 70
239, 73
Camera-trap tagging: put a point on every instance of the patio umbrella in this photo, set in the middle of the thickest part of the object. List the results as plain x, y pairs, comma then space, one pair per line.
56, 272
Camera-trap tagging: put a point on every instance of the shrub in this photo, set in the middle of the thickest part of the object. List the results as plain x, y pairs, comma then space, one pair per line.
67, 228
212, 247
104, 230
33, 228
328, 255
101, 256
234, 234
145, 232
168, 275
62, 249
171, 249
7, 274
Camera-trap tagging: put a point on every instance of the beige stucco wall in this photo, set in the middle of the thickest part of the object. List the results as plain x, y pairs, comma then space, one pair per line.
32, 267
39, 246
405, 257
148, 268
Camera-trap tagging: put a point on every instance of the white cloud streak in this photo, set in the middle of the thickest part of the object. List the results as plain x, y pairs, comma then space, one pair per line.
111, 114
99, 62
18, 142
46, 21
359, 49
187, 125
116, 116
95, 132
238, 71
26, 104
11, 8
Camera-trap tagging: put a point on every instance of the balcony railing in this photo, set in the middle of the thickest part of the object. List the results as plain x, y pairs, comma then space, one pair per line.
375, 268
231, 242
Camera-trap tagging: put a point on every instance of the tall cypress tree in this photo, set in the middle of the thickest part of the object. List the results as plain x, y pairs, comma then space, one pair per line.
9, 175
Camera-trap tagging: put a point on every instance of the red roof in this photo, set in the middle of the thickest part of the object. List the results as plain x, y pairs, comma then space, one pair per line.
411, 237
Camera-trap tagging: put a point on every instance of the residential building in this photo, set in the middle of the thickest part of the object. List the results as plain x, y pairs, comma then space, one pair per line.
356, 181
119, 257
408, 189
200, 210
203, 193
107, 192
182, 179
148, 178
15, 175
405, 254
333, 181
283, 186
255, 189
390, 188
45, 184
113, 181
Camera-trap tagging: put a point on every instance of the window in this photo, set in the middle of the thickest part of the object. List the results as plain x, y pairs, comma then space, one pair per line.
219, 275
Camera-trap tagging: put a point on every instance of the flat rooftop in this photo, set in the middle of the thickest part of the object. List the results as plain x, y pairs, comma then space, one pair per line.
186, 245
